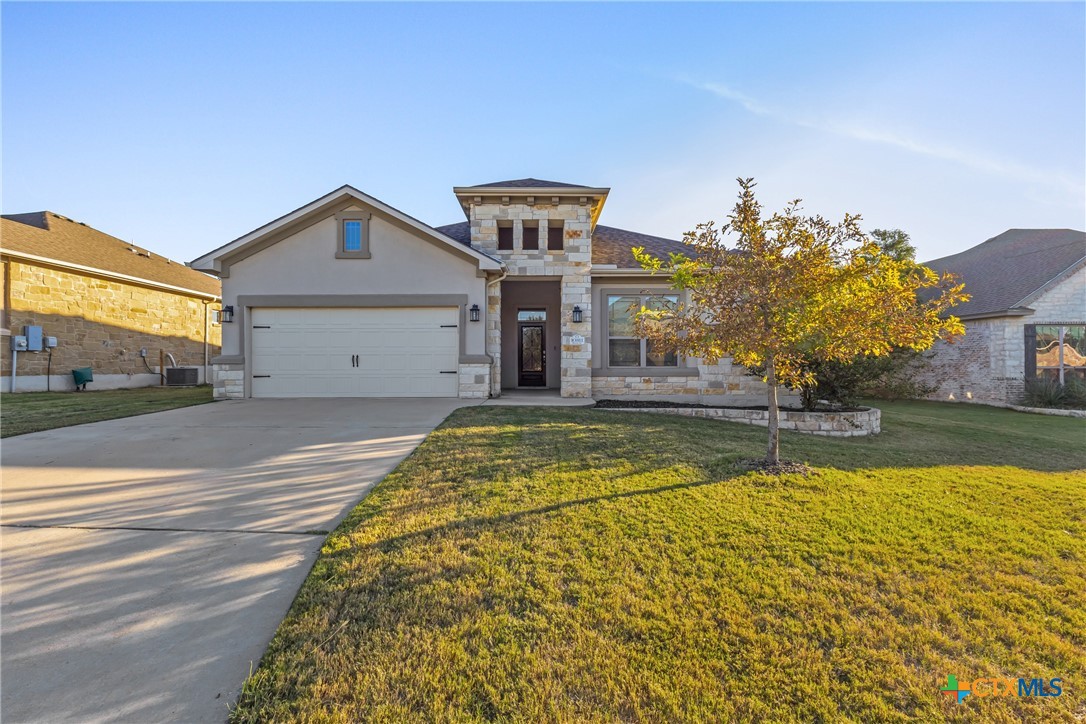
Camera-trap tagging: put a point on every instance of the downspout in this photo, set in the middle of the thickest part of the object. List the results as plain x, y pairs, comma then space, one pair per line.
14, 361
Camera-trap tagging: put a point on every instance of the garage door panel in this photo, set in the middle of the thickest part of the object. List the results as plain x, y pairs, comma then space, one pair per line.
401, 352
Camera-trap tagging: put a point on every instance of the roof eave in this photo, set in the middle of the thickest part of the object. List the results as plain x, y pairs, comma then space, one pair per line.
213, 261
1010, 312
107, 274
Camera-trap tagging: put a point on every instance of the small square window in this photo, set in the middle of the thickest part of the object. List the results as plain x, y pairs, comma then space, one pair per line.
555, 236
531, 237
505, 238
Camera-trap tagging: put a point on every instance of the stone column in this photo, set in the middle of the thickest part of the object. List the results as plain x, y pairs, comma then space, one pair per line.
577, 338
494, 336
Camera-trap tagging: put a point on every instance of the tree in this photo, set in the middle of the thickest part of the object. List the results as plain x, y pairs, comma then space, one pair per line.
895, 244
793, 288
892, 376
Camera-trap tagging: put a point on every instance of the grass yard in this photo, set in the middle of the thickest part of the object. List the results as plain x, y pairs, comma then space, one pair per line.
536, 564
36, 411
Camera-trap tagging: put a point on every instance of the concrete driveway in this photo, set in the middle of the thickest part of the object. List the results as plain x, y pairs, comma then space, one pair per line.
147, 561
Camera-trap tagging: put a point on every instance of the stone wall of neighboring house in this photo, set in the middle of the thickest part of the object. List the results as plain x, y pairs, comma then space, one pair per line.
102, 324
572, 265
988, 363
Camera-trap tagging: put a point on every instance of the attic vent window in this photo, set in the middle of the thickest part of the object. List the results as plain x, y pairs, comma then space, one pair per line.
353, 235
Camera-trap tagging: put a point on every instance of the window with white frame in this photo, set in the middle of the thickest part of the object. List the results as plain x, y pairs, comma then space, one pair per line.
624, 347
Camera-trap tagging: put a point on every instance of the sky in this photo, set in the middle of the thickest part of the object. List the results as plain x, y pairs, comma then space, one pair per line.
180, 127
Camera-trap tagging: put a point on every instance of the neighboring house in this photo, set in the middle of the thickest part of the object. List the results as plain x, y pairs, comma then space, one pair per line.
349, 297
1026, 318
104, 300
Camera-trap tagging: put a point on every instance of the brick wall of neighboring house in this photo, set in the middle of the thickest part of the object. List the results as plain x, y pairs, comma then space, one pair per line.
101, 323
988, 364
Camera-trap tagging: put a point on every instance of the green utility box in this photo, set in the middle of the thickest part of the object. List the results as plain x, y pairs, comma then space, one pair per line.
82, 376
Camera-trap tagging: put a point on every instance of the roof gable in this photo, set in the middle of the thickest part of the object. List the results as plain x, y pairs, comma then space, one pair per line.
218, 261
1008, 271
48, 237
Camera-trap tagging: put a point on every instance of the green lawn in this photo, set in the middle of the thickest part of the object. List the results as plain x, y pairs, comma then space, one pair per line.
531, 564
35, 411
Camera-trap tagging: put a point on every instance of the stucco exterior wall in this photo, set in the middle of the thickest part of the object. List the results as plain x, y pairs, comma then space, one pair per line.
534, 295
102, 324
988, 363
305, 263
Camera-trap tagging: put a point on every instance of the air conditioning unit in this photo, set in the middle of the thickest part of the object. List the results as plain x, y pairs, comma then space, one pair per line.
182, 376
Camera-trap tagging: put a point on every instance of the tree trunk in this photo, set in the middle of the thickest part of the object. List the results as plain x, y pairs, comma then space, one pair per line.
773, 453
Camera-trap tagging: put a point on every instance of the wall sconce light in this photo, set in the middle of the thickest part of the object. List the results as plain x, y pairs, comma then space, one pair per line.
473, 313
578, 315
226, 315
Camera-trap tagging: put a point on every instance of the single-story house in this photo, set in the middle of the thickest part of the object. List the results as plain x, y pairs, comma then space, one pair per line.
1026, 318
104, 301
350, 297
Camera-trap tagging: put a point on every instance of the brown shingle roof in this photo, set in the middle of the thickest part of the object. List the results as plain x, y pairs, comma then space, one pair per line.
1004, 272
614, 246
51, 236
609, 245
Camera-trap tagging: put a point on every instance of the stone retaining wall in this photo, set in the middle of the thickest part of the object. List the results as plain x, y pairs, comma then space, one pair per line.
830, 424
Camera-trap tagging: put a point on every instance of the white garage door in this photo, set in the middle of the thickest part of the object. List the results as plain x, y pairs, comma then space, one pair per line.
401, 352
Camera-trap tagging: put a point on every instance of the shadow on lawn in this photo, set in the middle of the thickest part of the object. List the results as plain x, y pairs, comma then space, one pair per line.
915, 435
385, 545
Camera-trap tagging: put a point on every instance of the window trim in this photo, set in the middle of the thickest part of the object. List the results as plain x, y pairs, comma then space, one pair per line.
341, 221
643, 367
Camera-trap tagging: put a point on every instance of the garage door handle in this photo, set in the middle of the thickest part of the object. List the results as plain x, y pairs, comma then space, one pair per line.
255, 376
448, 372
449, 326
261, 326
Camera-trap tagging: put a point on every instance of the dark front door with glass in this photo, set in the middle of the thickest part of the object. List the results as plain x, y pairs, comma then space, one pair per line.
532, 348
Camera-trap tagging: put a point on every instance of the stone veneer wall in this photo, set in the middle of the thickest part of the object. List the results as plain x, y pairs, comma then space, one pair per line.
474, 380
722, 383
572, 264
829, 424
988, 363
229, 380
102, 323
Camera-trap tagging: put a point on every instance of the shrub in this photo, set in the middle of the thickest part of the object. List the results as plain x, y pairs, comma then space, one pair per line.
1047, 392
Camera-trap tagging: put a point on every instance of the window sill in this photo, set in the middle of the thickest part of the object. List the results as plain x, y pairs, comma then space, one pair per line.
352, 255
645, 372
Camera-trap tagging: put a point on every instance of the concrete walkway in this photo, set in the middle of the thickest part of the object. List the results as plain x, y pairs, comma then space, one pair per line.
148, 561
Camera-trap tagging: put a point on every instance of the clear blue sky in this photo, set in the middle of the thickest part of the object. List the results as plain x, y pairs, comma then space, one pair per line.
182, 126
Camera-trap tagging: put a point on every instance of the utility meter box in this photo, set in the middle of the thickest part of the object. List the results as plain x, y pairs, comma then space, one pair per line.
18, 342
50, 342
33, 337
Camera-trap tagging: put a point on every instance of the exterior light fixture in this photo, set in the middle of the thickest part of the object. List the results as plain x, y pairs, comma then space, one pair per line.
473, 313
578, 315
226, 314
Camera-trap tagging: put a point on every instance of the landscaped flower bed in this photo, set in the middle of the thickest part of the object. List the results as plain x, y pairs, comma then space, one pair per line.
836, 423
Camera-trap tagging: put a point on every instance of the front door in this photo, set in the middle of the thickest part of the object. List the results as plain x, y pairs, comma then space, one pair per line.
532, 355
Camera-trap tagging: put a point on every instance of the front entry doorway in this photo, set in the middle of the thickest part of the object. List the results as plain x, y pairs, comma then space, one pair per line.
532, 347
